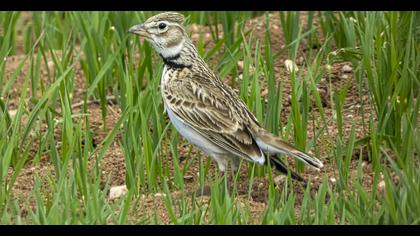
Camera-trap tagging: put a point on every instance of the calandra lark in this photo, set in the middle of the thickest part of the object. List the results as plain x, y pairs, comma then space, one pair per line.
202, 108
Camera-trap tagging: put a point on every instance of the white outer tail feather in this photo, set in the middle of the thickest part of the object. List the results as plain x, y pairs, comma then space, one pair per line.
313, 162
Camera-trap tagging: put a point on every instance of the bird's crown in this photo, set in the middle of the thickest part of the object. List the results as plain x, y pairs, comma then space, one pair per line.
167, 16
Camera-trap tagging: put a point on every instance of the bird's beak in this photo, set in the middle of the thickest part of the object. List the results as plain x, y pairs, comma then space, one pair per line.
138, 29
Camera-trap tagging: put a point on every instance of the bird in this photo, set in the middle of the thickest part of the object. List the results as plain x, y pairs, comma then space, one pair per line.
203, 109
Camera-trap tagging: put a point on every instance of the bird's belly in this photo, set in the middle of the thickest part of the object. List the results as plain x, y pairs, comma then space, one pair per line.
193, 136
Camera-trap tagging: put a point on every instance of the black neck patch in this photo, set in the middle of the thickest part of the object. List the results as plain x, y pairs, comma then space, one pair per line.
171, 58
171, 62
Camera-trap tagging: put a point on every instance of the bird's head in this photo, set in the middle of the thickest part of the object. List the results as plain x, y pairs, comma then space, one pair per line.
164, 31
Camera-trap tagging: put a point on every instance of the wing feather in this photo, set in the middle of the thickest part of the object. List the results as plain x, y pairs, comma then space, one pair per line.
210, 109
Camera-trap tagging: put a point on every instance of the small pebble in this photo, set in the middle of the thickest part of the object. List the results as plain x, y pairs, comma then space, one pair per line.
12, 113
188, 177
345, 76
240, 65
347, 69
207, 36
364, 163
381, 186
117, 192
290, 66
160, 195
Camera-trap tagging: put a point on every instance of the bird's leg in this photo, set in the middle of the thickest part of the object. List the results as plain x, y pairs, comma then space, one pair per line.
221, 163
236, 161
222, 166
235, 164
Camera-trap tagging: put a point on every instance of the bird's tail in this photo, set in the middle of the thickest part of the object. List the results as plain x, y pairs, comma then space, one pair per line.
282, 167
272, 144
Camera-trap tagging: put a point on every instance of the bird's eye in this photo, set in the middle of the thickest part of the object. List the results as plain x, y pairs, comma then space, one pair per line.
162, 26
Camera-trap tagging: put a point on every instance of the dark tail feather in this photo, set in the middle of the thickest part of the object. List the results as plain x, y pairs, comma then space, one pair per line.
281, 166
272, 144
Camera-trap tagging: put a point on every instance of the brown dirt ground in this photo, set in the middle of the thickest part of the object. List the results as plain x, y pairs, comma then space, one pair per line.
113, 165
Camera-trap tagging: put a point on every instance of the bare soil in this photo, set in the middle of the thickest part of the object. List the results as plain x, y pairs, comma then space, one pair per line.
113, 165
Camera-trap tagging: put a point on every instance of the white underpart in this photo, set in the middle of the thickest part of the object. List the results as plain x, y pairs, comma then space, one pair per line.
192, 136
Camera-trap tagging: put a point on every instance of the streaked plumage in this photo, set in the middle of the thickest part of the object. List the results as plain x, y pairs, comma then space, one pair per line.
202, 108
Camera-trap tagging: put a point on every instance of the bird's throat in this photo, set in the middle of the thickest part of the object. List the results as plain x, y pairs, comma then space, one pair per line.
180, 56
